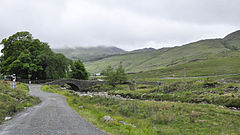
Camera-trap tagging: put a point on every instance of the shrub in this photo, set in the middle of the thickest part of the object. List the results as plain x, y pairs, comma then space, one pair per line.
115, 77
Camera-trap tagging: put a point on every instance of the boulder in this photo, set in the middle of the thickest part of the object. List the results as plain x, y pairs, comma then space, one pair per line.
8, 118
107, 119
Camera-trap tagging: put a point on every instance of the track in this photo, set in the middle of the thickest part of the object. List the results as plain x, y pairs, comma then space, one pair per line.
52, 117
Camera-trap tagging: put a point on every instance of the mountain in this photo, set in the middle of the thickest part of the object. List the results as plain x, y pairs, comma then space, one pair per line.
89, 53
143, 50
202, 51
232, 41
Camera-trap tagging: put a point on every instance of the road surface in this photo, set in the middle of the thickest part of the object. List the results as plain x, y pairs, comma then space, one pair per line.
52, 117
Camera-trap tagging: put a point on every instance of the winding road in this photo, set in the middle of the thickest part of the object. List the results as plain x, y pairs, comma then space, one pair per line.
52, 117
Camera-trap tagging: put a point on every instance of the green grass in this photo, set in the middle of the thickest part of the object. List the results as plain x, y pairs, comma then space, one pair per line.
212, 67
14, 100
205, 57
150, 117
204, 90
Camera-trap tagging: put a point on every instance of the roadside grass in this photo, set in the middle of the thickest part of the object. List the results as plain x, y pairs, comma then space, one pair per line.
14, 100
151, 117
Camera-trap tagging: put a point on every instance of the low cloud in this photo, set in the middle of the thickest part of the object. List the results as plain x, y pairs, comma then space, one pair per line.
126, 24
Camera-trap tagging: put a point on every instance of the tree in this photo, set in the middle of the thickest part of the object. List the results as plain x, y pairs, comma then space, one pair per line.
79, 71
110, 76
28, 57
121, 75
117, 76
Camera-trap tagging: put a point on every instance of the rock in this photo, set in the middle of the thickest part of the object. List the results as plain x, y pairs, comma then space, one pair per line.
107, 119
131, 125
80, 107
233, 108
204, 102
201, 121
143, 95
213, 92
124, 123
223, 80
222, 106
210, 84
8, 118
118, 96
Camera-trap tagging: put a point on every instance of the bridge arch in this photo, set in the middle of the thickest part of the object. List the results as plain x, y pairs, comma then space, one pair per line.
77, 85
73, 86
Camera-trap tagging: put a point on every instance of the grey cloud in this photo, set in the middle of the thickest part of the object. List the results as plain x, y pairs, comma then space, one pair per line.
204, 11
124, 23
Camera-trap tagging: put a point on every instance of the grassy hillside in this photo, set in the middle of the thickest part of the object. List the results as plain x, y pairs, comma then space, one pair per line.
14, 100
90, 53
226, 63
205, 51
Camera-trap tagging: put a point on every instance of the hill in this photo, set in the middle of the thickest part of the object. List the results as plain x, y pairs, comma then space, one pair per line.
89, 53
203, 51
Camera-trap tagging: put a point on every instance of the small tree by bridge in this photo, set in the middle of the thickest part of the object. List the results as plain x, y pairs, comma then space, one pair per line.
117, 76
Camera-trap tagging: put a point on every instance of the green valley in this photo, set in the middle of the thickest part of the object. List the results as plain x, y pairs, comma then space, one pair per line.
198, 56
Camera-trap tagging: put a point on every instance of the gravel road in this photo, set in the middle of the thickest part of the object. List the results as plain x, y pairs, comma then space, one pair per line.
52, 117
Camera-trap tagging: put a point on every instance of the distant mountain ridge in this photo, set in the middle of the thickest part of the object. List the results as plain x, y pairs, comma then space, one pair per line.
152, 59
89, 53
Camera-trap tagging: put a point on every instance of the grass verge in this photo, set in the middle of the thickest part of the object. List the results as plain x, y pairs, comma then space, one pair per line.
14, 100
151, 117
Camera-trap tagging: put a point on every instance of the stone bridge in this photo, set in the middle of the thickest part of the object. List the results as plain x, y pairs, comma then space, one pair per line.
87, 85
78, 85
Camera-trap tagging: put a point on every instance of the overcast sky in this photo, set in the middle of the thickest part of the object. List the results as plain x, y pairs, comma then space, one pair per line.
128, 24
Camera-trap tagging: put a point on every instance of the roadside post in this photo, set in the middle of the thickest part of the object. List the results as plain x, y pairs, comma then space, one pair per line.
29, 78
13, 83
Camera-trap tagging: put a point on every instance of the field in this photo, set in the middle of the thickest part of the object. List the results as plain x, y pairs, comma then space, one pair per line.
222, 92
14, 100
163, 116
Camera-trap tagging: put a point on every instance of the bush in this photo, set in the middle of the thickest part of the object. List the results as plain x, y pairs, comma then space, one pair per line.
115, 77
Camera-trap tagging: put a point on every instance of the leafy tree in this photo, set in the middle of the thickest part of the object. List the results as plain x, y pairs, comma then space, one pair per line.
110, 76
25, 56
79, 71
117, 76
121, 75
55, 65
